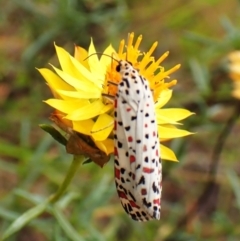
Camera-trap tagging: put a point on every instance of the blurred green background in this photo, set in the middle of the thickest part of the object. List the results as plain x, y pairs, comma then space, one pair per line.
201, 193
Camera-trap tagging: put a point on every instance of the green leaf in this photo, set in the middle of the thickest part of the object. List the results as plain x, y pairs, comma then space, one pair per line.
200, 76
54, 133
87, 161
66, 226
24, 219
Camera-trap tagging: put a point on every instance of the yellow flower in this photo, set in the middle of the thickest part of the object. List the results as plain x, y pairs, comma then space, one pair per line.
80, 89
234, 71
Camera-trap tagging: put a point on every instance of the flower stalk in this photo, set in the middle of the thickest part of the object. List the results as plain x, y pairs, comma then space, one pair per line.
42, 207
77, 160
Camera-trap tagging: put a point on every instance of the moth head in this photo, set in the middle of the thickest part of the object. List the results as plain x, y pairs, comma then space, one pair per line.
123, 65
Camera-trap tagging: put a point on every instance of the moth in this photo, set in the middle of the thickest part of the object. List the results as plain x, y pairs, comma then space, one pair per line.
138, 169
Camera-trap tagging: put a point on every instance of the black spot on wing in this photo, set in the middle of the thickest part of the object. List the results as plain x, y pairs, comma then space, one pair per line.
126, 81
142, 80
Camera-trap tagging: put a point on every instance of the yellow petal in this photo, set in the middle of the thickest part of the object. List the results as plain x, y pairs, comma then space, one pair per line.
171, 115
169, 133
54, 81
84, 126
236, 91
78, 94
165, 120
236, 94
165, 74
164, 97
74, 68
107, 60
86, 112
106, 146
106, 108
57, 95
234, 76
154, 66
66, 106
102, 127
78, 83
64, 60
146, 58
93, 61
81, 54
167, 154
86, 75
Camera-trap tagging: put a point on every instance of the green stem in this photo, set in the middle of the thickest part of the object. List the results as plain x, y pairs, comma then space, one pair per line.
32, 213
77, 160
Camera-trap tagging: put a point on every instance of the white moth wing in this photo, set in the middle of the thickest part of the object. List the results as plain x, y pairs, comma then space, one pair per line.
137, 146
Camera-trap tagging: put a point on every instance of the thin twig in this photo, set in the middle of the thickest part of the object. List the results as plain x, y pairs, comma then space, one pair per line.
208, 191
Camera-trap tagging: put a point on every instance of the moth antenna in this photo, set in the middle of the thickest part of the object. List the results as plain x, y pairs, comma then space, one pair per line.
98, 53
112, 83
110, 97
